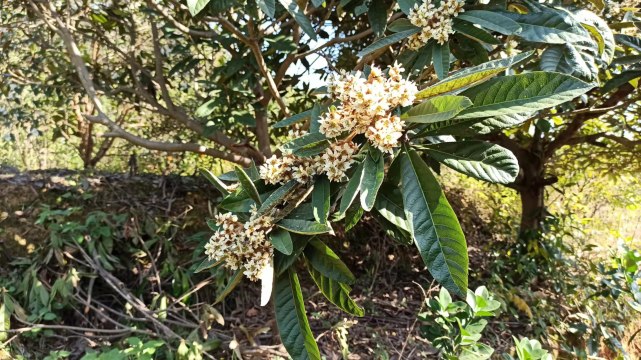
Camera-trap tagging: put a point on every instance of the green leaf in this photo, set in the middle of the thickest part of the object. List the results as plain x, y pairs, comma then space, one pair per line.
291, 318
476, 126
552, 26
400, 25
196, 6
629, 41
268, 7
307, 145
282, 241
467, 29
353, 215
373, 174
571, 59
478, 159
472, 76
277, 197
300, 17
437, 109
522, 93
231, 285
434, 226
247, 184
492, 21
293, 119
620, 79
441, 59
324, 260
389, 204
304, 227
5, 319
406, 5
351, 190
387, 41
336, 292
207, 108
282, 262
377, 15
219, 185
206, 264
321, 199
600, 31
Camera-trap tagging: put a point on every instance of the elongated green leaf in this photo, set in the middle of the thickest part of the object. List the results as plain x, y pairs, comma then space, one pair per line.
477, 159
377, 15
247, 184
473, 32
400, 25
551, 26
307, 145
492, 21
387, 41
324, 260
219, 185
389, 204
293, 119
522, 93
572, 59
373, 174
277, 197
406, 5
600, 31
196, 6
437, 109
231, 285
268, 7
629, 41
471, 76
336, 292
292, 8
291, 318
282, 262
620, 79
353, 215
441, 59
321, 199
240, 201
282, 241
207, 264
434, 226
351, 191
304, 227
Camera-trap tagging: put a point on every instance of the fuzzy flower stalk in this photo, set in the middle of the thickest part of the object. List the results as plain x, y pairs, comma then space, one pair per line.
435, 22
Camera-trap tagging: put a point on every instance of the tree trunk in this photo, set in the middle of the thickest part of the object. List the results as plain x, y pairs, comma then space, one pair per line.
532, 207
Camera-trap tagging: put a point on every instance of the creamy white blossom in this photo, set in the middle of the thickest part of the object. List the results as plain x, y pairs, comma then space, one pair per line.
435, 22
241, 245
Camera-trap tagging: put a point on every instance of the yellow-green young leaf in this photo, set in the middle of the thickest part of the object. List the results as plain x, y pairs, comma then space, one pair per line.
434, 226
373, 174
472, 76
437, 109
478, 159
231, 285
291, 318
321, 199
248, 185
5, 319
327, 262
304, 227
282, 241
336, 292
219, 185
522, 93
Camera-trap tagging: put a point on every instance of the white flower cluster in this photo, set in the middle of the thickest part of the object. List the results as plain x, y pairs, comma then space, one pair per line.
334, 162
367, 104
435, 22
242, 245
